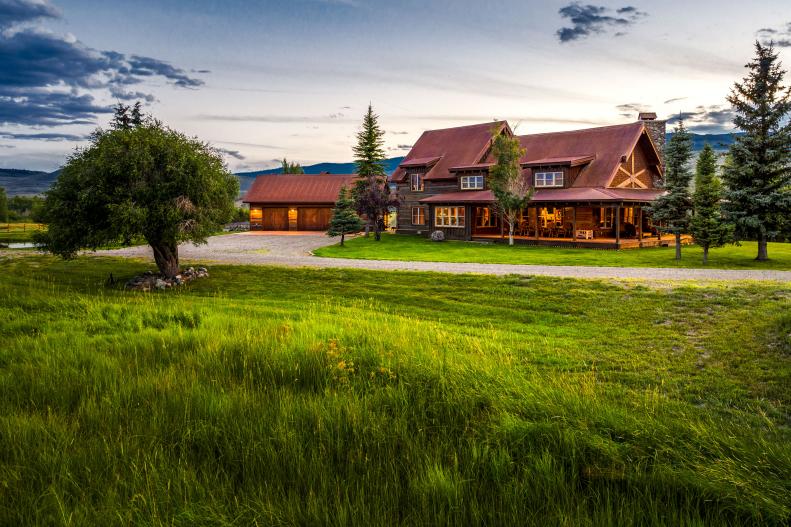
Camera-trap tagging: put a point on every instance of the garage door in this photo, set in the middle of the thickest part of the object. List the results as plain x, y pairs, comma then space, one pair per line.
274, 219
313, 218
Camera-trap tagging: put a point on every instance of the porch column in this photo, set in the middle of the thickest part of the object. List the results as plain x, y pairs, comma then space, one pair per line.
618, 226
573, 223
537, 219
640, 228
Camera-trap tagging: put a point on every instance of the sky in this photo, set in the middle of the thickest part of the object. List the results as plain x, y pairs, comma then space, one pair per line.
262, 80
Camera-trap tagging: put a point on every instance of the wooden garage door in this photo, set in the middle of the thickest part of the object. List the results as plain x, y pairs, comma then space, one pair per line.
274, 219
313, 218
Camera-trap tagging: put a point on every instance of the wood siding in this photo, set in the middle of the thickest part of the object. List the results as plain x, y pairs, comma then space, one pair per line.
409, 199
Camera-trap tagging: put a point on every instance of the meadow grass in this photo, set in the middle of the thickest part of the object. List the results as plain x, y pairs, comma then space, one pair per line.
275, 396
19, 232
418, 248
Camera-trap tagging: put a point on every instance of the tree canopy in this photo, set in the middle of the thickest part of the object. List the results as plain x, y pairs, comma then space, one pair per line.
3, 206
511, 189
344, 219
146, 180
673, 208
758, 176
708, 227
289, 167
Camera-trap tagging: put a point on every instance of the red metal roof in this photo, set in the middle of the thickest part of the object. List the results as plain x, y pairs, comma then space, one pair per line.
607, 143
561, 161
459, 146
298, 189
554, 195
474, 166
420, 162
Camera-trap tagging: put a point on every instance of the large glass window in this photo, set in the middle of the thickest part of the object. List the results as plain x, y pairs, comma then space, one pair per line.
417, 182
418, 216
471, 182
484, 217
548, 179
256, 216
449, 216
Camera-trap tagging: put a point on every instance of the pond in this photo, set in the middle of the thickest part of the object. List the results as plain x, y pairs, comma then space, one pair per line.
19, 245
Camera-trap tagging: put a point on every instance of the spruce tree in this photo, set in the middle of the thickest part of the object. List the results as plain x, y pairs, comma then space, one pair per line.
708, 227
291, 168
121, 119
758, 178
137, 114
672, 209
344, 219
371, 193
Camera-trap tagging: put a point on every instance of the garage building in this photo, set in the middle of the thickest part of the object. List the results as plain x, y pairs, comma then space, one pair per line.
294, 202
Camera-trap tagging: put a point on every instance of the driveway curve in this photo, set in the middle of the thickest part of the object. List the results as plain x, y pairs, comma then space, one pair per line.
294, 250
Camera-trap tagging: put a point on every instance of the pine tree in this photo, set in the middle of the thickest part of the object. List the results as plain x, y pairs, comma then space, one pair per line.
344, 219
3, 206
708, 226
121, 119
371, 193
758, 178
672, 209
288, 167
137, 114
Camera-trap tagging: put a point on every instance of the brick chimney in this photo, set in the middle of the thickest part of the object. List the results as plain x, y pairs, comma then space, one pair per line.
656, 129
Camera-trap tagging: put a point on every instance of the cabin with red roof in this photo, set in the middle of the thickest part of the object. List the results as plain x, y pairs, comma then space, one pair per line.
591, 186
294, 202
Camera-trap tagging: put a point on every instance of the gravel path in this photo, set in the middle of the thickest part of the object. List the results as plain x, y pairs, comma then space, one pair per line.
294, 250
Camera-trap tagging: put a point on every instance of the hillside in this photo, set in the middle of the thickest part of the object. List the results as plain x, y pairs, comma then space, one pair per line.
26, 182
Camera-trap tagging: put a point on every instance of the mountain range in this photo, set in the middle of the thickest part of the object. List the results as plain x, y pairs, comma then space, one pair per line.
27, 182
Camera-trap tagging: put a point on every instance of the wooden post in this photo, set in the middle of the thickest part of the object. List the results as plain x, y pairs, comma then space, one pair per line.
573, 223
617, 226
640, 228
537, 223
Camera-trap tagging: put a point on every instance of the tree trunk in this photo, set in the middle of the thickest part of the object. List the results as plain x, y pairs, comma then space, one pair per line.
678, 246
763, 253
166, 256
342, 235
377, 233
705, 254
511, 233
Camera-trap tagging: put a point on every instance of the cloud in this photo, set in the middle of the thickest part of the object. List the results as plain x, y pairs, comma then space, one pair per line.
591, 19
48, 79
13, 12
715, 118
398, 132
277, 118
779, 37
44, 136
233, 153
676, 99
631, 109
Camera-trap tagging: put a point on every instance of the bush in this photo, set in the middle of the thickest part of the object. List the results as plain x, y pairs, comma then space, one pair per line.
437, 236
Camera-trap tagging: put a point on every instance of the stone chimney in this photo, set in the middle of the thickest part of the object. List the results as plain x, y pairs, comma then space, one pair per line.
656, 130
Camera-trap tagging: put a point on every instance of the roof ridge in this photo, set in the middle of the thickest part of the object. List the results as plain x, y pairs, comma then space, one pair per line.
594, 128
490, 123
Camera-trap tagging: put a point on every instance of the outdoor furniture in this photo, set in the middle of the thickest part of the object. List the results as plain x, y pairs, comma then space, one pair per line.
585, 234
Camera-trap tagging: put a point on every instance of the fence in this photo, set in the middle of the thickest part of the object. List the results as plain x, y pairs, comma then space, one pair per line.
23, 227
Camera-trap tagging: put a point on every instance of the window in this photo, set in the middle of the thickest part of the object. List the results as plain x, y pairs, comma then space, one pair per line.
606, 217
417, 182
549, 179
449, 216
418, 215
471, 182
484, 217
256, 216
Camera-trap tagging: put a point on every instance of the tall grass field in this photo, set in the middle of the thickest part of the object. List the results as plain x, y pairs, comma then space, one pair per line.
275, 396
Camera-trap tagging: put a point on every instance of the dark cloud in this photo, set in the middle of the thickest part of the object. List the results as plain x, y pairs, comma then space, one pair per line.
675, 99
44, 77
588, 19
780, 37
233, 153
705, 119
44, 136
631, 109
14, 12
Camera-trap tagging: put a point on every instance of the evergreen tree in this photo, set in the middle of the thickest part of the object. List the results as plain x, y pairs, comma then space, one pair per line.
758, 177
291, 168
3, 206
344, 218
371, 193
510, 188
121, 119
137, 114
673, 208
707, 226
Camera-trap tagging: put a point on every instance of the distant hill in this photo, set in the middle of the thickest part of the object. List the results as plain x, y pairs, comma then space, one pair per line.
26, 182
246, 178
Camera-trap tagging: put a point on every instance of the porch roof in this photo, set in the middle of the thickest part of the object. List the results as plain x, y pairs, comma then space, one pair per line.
555, 195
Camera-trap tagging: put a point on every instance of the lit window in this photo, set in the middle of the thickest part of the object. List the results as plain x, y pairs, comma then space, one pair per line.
256, 215
549, 179
418, 216
484, 217
449, 216
417, 182
471, 182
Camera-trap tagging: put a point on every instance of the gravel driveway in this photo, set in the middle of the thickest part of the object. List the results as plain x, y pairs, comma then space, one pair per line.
294, 249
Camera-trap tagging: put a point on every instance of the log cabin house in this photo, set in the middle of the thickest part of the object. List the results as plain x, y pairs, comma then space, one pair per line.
294, 202
591, 186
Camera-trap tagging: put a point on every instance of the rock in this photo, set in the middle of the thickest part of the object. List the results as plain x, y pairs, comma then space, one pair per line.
437, 236
160, 284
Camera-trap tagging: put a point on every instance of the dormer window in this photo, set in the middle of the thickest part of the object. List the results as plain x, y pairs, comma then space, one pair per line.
471, 182
548, 179
416, 181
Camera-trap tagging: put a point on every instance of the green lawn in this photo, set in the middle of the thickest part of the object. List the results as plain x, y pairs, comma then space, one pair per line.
275, 396
18, 232
418, 248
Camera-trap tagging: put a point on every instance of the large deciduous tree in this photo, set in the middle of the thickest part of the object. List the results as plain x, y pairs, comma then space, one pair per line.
344, 219
146, 180
708, 227
371, 194
758, 177
671, 211
512, 190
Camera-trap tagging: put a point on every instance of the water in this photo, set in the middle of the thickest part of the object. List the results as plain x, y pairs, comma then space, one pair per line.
21, 245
